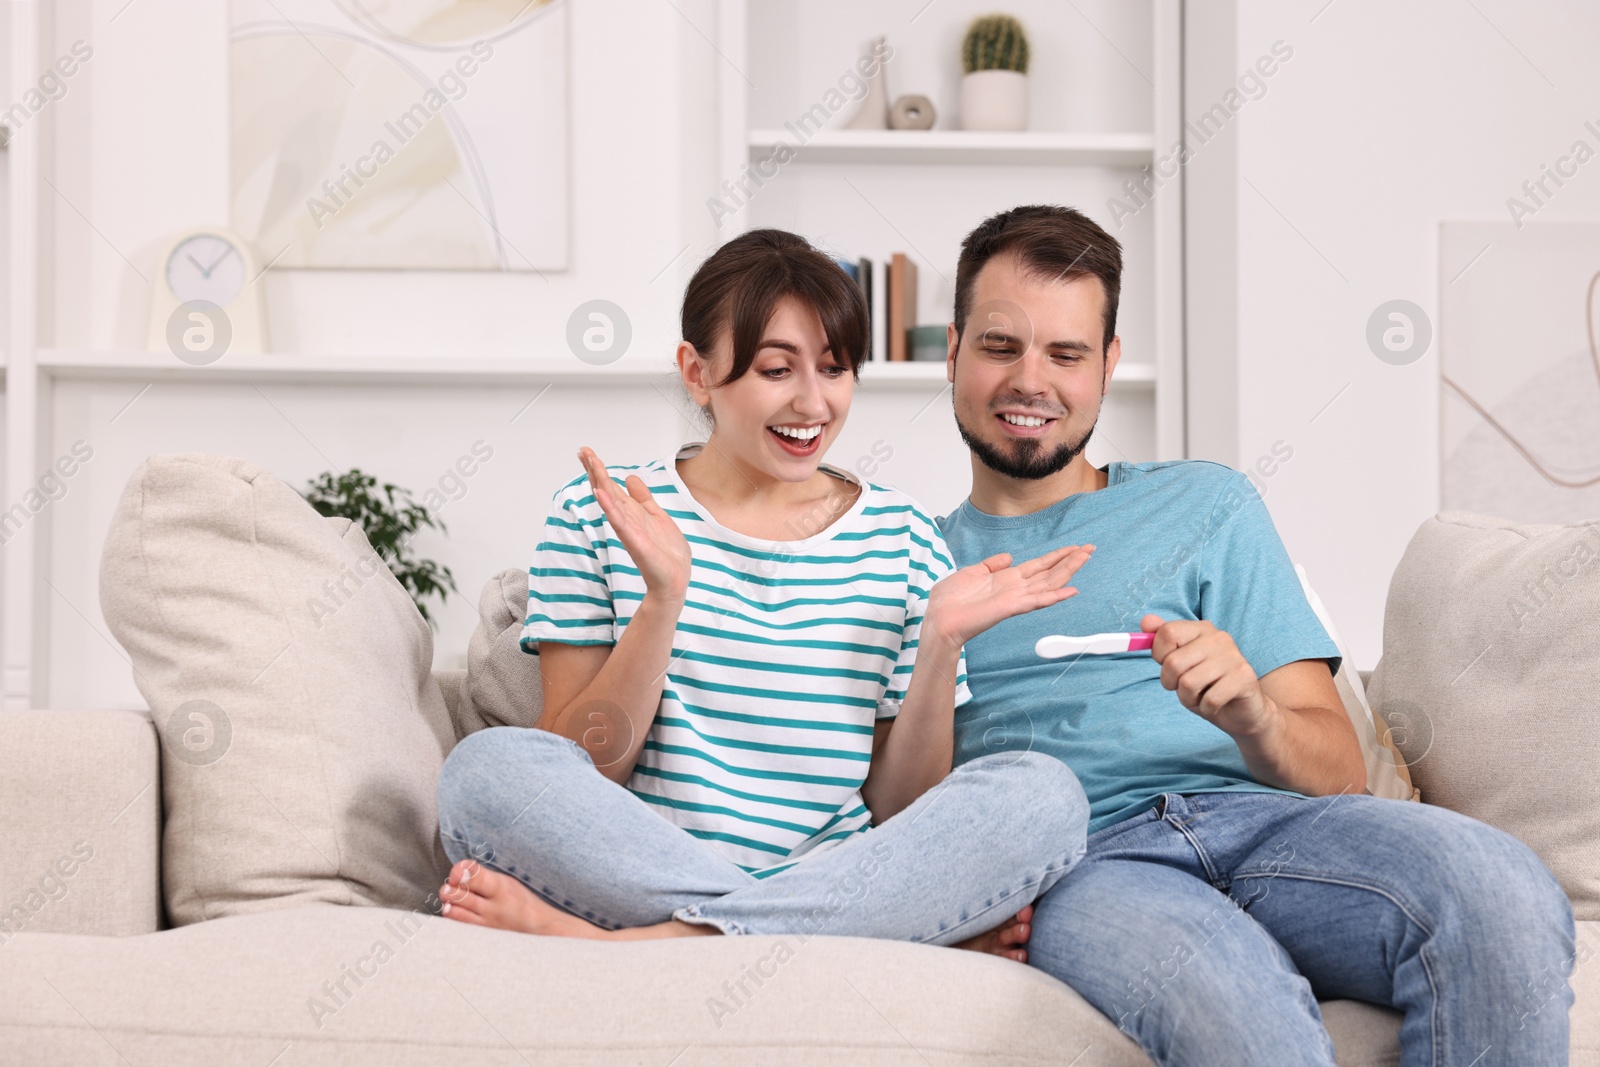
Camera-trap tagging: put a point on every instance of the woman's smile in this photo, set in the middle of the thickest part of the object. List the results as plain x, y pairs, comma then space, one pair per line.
802, 441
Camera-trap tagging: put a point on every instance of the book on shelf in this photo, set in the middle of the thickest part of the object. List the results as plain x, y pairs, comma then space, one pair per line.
902, 306
890, 290
862, 270
865, 278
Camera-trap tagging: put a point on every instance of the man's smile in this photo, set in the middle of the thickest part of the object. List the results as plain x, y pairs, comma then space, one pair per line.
1025, 424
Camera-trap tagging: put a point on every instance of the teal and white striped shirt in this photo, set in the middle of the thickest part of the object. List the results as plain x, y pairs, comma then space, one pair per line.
784, 655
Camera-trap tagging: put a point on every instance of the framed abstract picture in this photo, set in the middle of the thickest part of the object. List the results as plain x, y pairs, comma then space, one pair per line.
1520, 370
403, 134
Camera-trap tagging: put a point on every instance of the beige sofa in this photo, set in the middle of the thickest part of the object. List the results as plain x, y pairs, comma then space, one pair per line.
238, 878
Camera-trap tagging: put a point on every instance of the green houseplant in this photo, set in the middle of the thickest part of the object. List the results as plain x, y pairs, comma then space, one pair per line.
995, 42
390, 520
994, 83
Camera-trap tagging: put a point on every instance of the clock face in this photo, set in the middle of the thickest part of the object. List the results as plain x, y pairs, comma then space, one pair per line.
206, 267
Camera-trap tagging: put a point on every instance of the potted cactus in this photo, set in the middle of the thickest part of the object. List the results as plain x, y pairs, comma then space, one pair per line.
994, 85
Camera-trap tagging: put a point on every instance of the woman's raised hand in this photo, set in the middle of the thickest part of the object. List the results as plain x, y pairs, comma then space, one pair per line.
649, 534
974, 598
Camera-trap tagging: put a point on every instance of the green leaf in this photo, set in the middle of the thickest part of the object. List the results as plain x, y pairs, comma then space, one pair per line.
390, 522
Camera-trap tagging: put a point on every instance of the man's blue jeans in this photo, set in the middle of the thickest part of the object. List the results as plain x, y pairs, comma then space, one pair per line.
1208, 927
959, 860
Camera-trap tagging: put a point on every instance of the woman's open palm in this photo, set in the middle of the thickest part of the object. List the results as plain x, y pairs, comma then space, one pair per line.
968, 602
650, 535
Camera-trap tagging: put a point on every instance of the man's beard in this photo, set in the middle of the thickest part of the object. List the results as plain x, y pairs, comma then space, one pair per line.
1027, 461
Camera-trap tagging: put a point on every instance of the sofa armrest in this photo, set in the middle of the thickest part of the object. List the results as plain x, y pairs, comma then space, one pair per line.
80, 823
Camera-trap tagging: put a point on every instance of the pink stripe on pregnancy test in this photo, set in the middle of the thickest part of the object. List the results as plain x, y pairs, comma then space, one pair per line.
1055, 646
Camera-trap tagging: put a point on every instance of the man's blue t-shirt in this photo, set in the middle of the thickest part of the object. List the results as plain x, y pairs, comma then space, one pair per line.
1183, 540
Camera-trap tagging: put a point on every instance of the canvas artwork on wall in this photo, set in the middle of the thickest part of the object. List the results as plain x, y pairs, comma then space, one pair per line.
404, 134
1520, 370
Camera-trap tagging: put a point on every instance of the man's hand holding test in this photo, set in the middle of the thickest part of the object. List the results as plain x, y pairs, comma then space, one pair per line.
1290, 726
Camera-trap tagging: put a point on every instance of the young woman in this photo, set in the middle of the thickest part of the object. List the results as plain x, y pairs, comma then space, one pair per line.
750, 664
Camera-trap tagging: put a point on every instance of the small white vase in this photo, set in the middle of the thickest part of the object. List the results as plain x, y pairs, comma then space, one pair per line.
994, 100
874, 111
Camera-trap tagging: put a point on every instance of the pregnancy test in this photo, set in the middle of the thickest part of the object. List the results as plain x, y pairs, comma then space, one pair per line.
1057, 645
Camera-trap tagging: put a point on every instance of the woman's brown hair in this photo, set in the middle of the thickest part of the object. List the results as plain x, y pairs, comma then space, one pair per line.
736, 289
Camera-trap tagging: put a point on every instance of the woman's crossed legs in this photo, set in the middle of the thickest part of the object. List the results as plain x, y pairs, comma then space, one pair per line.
544, 843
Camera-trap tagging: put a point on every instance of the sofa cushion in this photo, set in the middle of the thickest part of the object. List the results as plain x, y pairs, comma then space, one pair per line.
1490, 679
366, 986
503, 686
287, 673
452, 680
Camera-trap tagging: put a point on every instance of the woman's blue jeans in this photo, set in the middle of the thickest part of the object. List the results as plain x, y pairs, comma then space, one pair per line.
962, 859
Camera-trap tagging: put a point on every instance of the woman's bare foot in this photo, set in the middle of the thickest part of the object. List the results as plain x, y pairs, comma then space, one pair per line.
479, 896
1006, 939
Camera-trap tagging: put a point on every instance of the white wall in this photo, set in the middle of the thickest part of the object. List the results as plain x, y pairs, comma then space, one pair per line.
1388, 119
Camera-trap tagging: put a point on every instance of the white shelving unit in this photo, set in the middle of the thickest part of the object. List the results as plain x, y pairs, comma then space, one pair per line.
961, 146
443, 370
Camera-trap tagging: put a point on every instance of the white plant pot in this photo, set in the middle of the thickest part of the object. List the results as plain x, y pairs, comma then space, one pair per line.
994, 100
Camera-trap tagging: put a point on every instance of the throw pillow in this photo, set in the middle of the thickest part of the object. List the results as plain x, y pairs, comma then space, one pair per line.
1491, 678
288, 674
503, 686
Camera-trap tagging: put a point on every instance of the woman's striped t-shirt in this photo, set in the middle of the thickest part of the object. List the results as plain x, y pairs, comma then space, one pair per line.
785, 654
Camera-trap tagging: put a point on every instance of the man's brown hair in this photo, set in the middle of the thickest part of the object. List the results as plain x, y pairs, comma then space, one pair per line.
1050, 242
